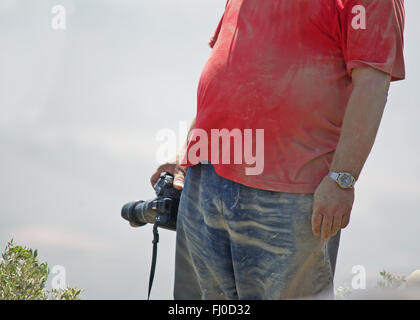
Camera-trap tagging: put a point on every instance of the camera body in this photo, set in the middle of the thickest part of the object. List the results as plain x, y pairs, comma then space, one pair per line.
162, 210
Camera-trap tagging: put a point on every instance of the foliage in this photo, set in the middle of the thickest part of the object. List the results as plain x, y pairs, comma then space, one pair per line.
390, 281
23, 277
387, 281
342, 292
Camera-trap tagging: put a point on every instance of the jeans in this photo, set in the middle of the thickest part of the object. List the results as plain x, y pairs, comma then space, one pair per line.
236, 242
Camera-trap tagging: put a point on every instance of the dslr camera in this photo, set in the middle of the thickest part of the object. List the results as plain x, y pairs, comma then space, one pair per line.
161, 211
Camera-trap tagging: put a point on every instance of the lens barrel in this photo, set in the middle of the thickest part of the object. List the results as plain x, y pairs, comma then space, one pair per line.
128, 212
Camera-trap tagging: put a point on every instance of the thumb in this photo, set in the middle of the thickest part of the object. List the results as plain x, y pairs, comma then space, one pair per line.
179, 180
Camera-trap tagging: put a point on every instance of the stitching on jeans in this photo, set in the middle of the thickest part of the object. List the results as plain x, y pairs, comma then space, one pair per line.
238, 186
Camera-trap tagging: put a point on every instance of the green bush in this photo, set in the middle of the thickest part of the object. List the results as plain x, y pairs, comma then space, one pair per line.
388, 283
23, 277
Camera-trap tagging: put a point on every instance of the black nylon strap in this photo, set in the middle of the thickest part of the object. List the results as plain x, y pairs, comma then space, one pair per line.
154, 257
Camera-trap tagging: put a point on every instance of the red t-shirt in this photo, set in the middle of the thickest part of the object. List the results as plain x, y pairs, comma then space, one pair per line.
284, 66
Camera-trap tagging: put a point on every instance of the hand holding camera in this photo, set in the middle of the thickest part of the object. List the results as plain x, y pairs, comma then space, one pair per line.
161, 211
172, 167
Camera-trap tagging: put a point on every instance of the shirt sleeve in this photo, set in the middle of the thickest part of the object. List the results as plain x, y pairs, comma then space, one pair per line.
213, 39
372, 35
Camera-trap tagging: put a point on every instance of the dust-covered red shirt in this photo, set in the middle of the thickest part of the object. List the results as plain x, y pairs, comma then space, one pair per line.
284, 66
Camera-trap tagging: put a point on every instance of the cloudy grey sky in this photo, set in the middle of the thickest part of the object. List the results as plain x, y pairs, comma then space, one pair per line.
80, 110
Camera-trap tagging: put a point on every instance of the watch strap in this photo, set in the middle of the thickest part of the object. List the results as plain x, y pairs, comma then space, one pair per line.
334, 175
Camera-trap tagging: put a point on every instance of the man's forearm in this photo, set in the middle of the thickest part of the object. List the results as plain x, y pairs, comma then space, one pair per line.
361, 121
184, 147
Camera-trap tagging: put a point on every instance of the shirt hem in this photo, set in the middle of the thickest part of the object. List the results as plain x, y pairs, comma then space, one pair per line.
263, 184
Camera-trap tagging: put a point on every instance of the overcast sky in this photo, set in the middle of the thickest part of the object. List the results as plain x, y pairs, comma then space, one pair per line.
80, 110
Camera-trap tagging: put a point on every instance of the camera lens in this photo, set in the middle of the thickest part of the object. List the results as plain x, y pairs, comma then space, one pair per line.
126, 209
128, 212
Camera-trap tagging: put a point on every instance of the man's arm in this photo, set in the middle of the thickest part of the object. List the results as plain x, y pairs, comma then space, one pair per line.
180, 154
332, 205
173, 167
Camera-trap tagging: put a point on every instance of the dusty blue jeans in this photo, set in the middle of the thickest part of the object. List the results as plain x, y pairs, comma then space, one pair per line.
237, 242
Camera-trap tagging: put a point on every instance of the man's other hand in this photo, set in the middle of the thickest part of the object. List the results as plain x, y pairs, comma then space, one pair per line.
173, 168
331, 208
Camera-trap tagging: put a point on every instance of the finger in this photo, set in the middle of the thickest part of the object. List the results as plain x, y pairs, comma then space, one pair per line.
162, 168
154, 178
326, 227
336, 225
345, 221
179, 179
316, 223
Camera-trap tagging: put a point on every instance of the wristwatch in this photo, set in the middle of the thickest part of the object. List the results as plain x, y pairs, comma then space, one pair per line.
344, 179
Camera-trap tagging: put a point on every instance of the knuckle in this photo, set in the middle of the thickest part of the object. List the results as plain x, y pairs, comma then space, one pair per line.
327, 222
344, 208
178, 178
317, 215
320, 205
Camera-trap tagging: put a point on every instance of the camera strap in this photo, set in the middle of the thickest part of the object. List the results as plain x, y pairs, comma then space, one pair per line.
154, 257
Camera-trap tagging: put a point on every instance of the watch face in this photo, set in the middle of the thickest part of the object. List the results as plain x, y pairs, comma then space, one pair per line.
345, 180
